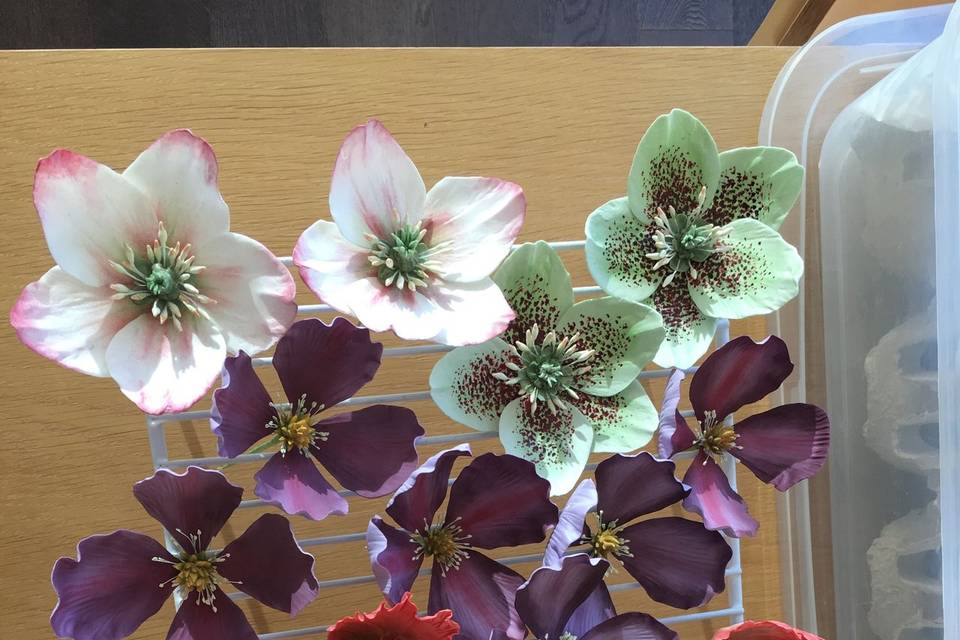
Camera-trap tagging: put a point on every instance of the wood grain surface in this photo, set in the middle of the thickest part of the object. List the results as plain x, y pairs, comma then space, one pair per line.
563, 123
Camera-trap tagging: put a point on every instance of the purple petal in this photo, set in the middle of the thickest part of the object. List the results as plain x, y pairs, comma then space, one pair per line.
632, 486
293, 483
482, 490
419, 497
241, 408
326, 363
678, 561
548, 599
738, 373
673, 434
570, 526
112, 586
267, 563
370, 451
712, 497
784, 445
631, 626
597, 608
393, 558
200, 622
198, 500
481, 596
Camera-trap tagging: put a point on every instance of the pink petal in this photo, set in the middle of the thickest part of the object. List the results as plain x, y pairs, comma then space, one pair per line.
293, 483
468, 313
712, 497
331, 266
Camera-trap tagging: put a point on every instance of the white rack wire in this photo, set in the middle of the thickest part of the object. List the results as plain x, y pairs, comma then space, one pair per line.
161, 460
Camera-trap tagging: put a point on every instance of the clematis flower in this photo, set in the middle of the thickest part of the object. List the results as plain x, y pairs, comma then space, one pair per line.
763, 630
497, 501
696, 236
399, 622
781, 446
151, 287
121, 579
562, 379
677, 561
370, 451
399, 257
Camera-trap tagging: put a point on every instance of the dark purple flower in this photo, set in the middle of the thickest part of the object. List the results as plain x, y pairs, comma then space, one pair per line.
781, 446
121, 579
370, 451
677, 561
497, 501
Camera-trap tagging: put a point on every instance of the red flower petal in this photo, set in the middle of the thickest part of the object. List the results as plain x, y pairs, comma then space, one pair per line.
763, 630
399, 622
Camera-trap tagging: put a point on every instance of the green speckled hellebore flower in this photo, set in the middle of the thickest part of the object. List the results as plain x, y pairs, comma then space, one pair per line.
561, 381
696, 236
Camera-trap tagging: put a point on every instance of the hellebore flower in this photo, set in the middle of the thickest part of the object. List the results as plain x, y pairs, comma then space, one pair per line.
370, 451
781, 446
677, 561
497, 501
151, 287
696, 236
399, 622
561, 381
399, 257
763, 630
121, 579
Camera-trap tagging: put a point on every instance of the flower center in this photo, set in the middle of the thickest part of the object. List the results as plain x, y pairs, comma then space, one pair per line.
446, 543
163, 278
607, 541
715, 437
546, 370
196, 571
683, 240
404, 260
293, 426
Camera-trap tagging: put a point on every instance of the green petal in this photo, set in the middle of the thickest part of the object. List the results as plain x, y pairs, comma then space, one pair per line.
689, 331
617, 244
621, 423
537, 287
624, 336
756, 182
463, 386
675, 158
558, 444
758, 274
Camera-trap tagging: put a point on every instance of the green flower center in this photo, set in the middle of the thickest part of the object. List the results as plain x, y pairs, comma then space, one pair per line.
684, 240
715, 437
445, 543
403, 259
294, 428
607, 542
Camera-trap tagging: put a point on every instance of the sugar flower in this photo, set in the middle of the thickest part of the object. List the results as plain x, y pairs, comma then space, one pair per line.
370, 451
497, 501
399, 622
151, 287
562, 379
781, 446
121, 579
763, 630
677, 561
696, 236
399, 257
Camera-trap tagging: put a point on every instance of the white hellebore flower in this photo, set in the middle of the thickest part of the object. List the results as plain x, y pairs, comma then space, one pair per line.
151, 287
399, 257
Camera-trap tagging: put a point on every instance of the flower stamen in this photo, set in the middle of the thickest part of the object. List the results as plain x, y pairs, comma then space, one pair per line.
446, 543
196, 571
606, 541
404, 260
294, 426
715, 437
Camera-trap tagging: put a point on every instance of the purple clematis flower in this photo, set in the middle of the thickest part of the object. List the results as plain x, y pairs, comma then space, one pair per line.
121, 579
370, 451
781, 446
548, 600
497, 501
677, 561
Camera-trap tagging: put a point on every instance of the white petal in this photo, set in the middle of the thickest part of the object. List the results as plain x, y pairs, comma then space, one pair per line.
469, 313
330, 265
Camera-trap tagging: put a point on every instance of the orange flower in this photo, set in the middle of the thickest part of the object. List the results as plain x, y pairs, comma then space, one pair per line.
763, 630
399, 622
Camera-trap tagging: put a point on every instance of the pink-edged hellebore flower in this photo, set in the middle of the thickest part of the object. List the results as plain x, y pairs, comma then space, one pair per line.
121, 579
151, 287
370, 451
399, 257
399, 622
497, 501
781, 446
763, 630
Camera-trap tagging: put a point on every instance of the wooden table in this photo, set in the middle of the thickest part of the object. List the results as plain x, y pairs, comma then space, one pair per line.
562, 122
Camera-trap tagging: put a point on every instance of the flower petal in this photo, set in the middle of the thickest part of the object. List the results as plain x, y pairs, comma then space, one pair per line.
331, 266
557, 443
597, 608
618, 478
759, 273
469, 312
463, 386
479, 219
326, 363
266, 562
89, 213
763, 630
739, 373
546, 601
399, 621
375, 187
712, 497
293, 483
756, 182
784, 445
241, 408
631, 626
111, 588
198, 621
69, 322
621, 423
570, 525
673, 434
370, 451
677, 561
479, 493
688, 331
394, 559
421, 494
617, 248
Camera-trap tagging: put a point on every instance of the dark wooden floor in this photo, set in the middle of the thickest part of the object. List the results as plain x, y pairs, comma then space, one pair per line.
42, 24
